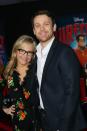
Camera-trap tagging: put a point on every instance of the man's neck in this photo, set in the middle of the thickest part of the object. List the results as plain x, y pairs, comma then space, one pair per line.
44, 44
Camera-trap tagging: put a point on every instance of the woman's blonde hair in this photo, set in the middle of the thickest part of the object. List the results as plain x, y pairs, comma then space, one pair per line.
12, 62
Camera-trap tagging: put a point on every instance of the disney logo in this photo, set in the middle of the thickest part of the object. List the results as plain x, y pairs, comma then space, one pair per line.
77, 19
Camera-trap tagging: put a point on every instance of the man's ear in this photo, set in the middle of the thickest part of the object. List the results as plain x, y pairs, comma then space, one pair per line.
55, 27
34, 31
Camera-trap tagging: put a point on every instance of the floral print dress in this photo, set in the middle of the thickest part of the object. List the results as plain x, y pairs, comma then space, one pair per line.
24, 97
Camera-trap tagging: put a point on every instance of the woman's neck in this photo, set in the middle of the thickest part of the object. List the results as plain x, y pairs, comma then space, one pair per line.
21, 68
22, 72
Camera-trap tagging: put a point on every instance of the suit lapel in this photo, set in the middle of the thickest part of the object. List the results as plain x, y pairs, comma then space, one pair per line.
49, 57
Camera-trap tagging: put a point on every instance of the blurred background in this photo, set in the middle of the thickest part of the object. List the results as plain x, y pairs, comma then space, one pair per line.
15, 18
15, 15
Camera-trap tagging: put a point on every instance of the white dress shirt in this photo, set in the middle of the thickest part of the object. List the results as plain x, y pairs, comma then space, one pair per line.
41, 58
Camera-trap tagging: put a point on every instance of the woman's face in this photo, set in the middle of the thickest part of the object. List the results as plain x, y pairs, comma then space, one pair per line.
25, 54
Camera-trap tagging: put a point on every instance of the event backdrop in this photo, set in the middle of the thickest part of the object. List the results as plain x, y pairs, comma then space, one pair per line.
72, 30
3, 56
70, 27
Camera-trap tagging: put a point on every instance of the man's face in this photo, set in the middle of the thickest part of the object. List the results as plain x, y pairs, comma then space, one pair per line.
81, 42
43, 28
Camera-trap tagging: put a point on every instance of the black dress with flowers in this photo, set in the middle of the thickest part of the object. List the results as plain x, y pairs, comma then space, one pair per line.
23, 96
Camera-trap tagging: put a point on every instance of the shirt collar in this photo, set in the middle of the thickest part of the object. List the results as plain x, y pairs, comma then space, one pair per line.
45, 49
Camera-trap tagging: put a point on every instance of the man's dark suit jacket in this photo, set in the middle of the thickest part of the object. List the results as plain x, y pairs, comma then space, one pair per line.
60, 89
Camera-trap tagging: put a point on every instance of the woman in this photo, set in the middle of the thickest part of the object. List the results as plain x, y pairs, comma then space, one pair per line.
18, 82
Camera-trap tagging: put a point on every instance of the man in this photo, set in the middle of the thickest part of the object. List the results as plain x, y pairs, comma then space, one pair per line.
58, 75
81, 50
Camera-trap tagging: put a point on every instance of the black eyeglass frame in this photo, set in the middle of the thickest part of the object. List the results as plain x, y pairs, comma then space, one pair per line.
22, 51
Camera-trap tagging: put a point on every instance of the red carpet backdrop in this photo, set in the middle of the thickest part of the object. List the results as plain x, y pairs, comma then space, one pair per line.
3, 57
72, 28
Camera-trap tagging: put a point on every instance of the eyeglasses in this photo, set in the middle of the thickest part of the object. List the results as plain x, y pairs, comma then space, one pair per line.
29, 53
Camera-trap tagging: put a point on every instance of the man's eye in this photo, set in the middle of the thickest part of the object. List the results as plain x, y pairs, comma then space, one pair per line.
37, 26
47, 24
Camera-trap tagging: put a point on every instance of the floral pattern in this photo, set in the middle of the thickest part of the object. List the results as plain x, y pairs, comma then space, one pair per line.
19, 104
26, 94
10, 82
23, 96
21, 115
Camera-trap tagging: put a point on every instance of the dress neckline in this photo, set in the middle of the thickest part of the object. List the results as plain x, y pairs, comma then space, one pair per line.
18, 76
